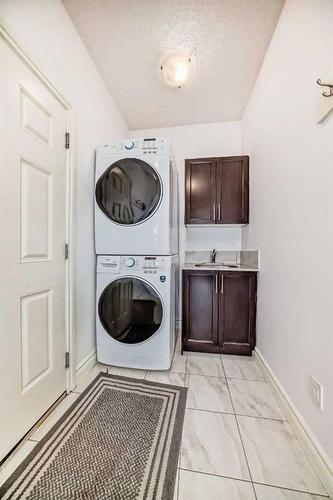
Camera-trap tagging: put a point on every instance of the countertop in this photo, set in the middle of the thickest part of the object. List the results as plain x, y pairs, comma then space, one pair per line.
188, 266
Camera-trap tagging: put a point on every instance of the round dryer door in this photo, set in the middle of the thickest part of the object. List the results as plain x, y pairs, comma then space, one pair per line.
129, 191
130, 310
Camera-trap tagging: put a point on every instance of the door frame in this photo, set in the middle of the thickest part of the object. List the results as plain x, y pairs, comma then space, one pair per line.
70, 223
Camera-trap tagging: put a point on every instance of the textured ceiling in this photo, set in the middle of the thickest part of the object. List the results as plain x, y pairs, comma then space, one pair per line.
127, 39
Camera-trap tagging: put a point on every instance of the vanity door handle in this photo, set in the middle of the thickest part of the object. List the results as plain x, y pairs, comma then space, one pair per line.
214, 212
216, 283
222, 284
219, 211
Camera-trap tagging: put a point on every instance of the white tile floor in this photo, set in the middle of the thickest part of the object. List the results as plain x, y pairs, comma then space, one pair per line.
236, 444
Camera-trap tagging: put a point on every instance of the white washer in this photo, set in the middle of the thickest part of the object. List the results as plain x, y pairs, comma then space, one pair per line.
135, 310
136, 198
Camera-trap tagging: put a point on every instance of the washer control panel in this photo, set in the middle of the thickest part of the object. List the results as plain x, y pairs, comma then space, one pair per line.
116, 264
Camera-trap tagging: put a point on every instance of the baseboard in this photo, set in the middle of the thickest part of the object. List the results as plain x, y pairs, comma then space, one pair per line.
86, 364
311, 447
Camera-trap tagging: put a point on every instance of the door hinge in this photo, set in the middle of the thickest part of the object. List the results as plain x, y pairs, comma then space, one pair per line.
67, 140
66, 251
66, 359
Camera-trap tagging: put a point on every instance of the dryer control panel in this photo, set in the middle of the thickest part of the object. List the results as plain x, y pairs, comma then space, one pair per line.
146, 146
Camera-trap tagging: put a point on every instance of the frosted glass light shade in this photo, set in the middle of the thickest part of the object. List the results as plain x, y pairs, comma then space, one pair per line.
176, 70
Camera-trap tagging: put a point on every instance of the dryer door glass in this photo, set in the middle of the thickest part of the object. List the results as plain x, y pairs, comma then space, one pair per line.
129, 191
130, 310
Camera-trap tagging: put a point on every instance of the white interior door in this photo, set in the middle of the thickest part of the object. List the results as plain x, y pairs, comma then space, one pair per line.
32, 264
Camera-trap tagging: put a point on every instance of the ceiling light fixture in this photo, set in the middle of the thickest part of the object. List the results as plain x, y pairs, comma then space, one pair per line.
176, 69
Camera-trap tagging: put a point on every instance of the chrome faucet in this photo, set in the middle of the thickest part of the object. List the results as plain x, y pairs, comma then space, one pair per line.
213, 256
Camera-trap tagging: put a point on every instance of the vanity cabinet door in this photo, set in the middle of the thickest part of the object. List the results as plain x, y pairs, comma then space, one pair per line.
200, 311
233, 190
200, 191
237, 312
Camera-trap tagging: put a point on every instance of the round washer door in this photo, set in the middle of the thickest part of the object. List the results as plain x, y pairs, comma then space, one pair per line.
129, 191
130, 310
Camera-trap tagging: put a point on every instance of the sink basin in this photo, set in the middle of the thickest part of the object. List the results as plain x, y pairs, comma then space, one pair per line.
216, 264
209, 264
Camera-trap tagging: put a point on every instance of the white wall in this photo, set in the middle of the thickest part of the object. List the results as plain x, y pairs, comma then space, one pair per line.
198, 141
291, 193
47, 34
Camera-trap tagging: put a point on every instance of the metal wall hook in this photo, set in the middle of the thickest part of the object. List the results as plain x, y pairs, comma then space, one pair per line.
329, 85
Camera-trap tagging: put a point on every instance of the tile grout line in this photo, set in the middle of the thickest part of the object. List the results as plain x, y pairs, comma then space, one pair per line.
221, 360
216, 475
253, 482
228, 378
237, 414
309, 493
240, 436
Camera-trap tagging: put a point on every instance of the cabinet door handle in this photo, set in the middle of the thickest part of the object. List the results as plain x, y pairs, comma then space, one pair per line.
214, 212
219, 211
222, 284
216, 285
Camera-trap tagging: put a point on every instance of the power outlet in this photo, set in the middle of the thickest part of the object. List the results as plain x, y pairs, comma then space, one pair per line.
317, 393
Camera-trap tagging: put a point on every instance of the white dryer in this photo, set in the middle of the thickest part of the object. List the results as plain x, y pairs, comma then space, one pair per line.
136, 202
135, 310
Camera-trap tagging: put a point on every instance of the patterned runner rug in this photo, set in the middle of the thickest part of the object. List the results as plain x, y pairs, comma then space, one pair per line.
120, 440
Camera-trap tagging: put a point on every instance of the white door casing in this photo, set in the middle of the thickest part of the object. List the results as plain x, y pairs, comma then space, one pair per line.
33, 234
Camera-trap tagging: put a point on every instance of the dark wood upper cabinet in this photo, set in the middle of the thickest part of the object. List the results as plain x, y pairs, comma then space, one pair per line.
217, 190
200, 310
233, 190
219, 311
200, 186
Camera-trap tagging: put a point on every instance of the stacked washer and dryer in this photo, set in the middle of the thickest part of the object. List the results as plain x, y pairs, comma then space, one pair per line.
136, 242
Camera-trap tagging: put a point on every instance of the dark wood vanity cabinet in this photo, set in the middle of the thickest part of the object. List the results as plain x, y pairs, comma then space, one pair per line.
219, 311
217, 190
200, 311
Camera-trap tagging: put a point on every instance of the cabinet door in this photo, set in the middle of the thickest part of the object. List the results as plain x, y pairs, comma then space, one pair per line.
200, 191
237, 312
233, 190
200, 305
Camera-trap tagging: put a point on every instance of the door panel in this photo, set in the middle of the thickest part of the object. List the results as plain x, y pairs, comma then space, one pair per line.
35, 217
32, 268
200, 195
36, 337
200, 311
237, 312
232, 190
35, 118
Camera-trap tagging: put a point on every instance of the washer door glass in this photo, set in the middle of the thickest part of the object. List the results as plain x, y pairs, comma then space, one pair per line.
130, 310
129, 191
